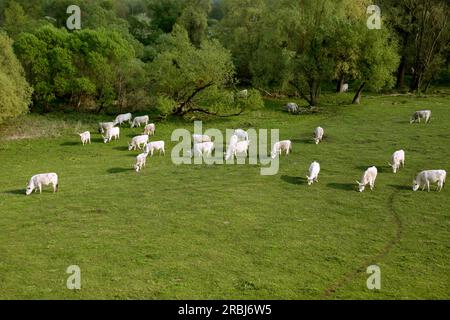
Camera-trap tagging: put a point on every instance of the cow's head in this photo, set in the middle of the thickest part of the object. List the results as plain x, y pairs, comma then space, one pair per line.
416, 185
361, 186
393, 166
310, 180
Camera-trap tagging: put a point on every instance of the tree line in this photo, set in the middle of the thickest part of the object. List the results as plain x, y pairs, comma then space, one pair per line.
185, 56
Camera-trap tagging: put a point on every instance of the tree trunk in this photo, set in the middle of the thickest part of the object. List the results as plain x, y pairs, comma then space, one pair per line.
340, 84
357, 98
401, 73
427, 86
314, 91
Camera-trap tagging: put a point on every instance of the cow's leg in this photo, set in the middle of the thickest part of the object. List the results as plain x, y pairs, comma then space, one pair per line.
428, 186
40, 188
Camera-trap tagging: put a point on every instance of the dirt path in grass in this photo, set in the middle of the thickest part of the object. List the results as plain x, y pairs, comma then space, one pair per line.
350, 276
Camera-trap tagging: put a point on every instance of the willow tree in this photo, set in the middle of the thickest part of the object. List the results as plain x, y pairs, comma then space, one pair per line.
184, 77
15, 93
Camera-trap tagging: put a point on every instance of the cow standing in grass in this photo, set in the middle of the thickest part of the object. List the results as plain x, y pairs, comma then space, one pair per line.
44, 179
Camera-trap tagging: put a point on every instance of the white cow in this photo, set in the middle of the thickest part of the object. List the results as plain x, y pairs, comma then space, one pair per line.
199, 138
111, 133
279, 147
104, 126
37, 181
314, 170
203, 149
345, 87
422, 114
140, 120
156, 145
121, 118
318, 135
85, 137
242, 94
150, 129
398, 159
291, 107
241, 134
242, 147
141, 161
137, 141
231, 146
368, 178
424, 178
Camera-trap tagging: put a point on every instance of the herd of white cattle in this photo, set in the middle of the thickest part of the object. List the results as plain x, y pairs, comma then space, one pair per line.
239, 144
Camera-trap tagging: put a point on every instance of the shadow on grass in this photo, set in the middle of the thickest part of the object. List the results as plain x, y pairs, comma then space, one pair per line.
294, 180
118, 170
400, 187
70, 143
304, 140
16, 191
343, 186
121, 148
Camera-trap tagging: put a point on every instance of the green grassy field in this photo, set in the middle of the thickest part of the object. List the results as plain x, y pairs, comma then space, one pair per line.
206, 232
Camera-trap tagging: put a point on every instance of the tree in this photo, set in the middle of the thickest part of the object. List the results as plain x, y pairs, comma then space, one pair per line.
194, 19
15, 93
185, 77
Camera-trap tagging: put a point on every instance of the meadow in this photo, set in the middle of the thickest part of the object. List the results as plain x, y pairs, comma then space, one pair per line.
225, 231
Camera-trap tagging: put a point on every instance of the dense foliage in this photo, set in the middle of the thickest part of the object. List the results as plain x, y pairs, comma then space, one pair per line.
185, 56
15, 93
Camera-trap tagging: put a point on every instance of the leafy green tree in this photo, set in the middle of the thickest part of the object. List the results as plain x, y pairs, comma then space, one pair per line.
15, 93
185, 77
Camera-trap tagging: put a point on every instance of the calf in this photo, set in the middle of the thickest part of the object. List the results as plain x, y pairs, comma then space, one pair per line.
140, 120
422, 114
156, 145
150, 129
345, 87
314, 170
368, 178
85, 137
37, 181
141, 161
136, 142
398, 159
279, 147
424, 178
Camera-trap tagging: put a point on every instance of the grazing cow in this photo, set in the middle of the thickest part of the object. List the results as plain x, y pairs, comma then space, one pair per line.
279, 147
111, 133
85, 137
242, 147
156, 145
241, 134
150, 129
318, 135
345, 87
291, 107
121, 118
37, 181
136, 142
104, 126
231, 146
199, 138
314, 170
398, 159
422, 114
203, 149
141, 161
368, 178
140, 120
424, 178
